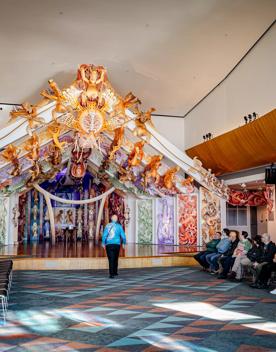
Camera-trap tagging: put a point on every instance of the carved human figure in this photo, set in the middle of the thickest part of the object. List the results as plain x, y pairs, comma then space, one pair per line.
79, 220
34, 229
35, 212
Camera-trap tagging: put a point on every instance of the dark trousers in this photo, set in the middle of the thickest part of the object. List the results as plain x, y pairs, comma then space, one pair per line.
201, 258
266, 272
227, 263
113, 251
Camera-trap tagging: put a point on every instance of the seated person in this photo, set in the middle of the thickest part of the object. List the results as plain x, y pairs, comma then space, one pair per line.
226, 261
210, 248
222, 247
265, 274
239, 254
253, 255
267, 255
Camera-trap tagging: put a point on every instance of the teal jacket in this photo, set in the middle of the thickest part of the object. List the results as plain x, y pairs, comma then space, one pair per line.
212, 246
113, 234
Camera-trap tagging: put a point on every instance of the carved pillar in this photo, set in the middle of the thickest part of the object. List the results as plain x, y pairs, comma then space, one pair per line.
9, 213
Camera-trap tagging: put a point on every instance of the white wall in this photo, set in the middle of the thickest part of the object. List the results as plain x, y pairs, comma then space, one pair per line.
251, 87
172, 128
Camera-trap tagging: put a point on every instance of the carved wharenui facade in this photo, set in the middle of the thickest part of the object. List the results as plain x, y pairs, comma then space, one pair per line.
89, 128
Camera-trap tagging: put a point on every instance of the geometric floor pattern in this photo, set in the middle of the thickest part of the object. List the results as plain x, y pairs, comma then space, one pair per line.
155, 309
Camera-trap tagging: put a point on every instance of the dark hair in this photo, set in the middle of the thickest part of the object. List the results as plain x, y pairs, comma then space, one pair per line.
236, 233
218, 233
258, 240
226, 231
244, 234
250, 240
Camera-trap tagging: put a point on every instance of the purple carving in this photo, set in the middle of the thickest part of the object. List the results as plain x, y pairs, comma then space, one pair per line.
165, 220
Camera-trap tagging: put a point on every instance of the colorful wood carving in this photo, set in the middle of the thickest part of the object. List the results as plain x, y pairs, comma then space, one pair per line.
187, 219
140, 122
56, 95
165, 221
116, 143
144, 221
55, 130
136, 155
79, 160
150, 172
11, 154
29, 112
169, 178
209, 214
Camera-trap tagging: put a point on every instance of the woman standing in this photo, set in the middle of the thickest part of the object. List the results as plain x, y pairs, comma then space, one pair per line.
112, 237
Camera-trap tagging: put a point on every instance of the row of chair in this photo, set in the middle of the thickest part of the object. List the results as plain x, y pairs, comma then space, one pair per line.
5, 285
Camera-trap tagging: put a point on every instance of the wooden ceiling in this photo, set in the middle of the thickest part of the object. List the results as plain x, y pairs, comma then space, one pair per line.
245, 147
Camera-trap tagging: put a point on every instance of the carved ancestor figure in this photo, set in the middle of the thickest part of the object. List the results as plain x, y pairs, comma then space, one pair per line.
79, 159
130, 100
79, 221
91, 78
151, 170
55, 155
55, 130
11, 154
136, 155
140, 122
29, 112
57, 96
168, 179
126, 175
32, 147
116, 143
187, 181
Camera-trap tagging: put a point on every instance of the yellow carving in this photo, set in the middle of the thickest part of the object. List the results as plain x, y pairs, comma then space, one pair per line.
116, 143
187, 182
140, 122
151, 170
55, 131
11, 154
91, 79
29, 112
57, 96
130, 100
136, 156
168, 179
55, 155
32, 147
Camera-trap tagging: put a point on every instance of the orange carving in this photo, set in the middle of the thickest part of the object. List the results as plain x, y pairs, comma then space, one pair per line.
11, 154
151, 170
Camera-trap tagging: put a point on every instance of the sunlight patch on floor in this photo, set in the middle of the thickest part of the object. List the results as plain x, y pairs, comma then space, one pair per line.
210, 311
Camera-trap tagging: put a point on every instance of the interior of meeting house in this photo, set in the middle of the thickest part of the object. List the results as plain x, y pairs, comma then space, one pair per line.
137, 175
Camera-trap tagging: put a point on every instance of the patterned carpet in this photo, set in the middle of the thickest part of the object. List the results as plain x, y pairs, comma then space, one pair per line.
157, 309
